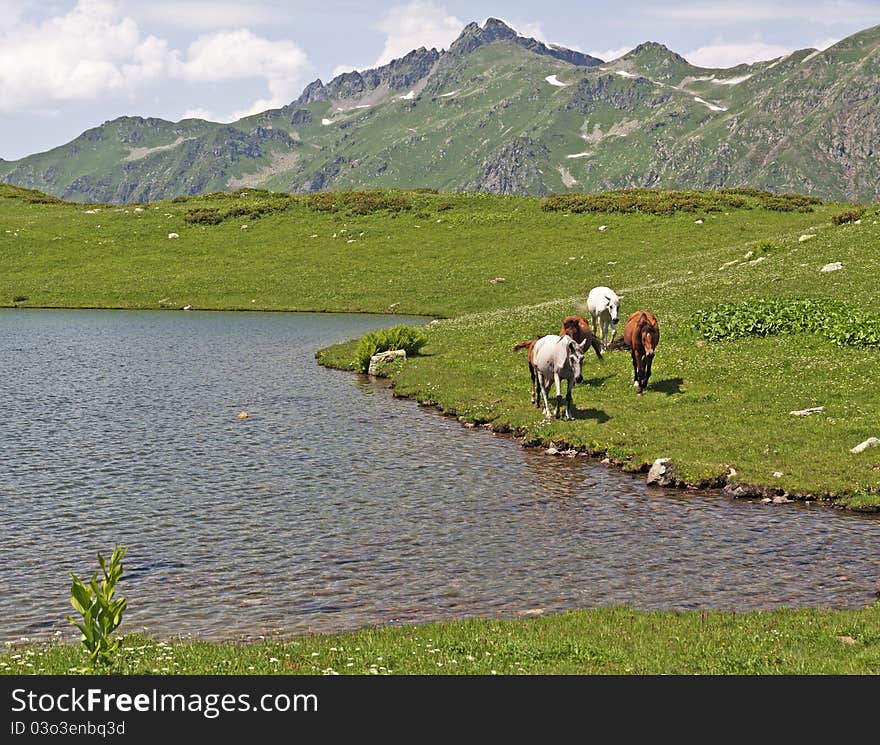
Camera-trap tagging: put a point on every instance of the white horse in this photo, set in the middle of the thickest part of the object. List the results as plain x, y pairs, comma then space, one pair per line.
604, 306
558, 358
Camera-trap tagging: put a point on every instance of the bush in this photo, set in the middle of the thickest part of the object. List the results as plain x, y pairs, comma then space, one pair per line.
359, 202
251, 203
841, 218
397, 337
668, 202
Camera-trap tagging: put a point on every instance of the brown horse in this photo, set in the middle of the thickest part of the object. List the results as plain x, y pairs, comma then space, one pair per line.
574, 326
641, 335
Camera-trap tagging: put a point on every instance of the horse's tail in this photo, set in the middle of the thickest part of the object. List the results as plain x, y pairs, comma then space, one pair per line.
523, 344
618, 344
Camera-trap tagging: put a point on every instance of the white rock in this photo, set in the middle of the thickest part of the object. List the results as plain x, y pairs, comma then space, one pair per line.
657, 474
871, 442
173, 235
833, 267
698, 222
603, 228
807, 412
805, 238
378, 359
777, 474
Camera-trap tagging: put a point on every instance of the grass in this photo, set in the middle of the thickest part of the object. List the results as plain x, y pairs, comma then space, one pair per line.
502, 269
600, 641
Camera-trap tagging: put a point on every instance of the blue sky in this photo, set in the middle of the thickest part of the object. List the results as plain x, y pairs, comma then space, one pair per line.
68, 65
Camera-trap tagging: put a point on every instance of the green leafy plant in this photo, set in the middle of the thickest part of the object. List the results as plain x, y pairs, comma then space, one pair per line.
382, 340
101, 614
840, 324
765, 246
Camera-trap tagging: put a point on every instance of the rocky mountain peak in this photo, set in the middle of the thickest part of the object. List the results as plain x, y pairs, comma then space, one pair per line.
314, 91
473, 37
653, 50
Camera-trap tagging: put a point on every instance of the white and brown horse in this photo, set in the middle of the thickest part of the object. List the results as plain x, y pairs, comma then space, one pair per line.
574, 326
558, 358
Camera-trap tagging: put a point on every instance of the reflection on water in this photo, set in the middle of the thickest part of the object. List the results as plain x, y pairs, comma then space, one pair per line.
335, 506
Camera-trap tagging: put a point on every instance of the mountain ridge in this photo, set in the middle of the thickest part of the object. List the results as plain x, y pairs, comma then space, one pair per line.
501, 112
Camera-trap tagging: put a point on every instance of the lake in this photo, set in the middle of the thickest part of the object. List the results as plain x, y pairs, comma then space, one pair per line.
334, 505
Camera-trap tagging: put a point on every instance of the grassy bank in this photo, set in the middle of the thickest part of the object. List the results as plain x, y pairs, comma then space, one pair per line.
595, 642
502, 269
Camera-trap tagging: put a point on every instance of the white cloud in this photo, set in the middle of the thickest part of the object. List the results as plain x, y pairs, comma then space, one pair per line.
825, 12
612, 54
93, 52
86, 54
200, 15
418, 24
730, 54
199, 113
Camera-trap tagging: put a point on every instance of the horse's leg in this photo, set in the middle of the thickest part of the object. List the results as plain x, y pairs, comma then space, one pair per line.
558, 392
534, 390
568, 414
635, 359
544, 384
648, 361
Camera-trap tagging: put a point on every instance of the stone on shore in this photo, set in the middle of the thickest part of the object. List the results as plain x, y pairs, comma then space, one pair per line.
662, 473
383, 358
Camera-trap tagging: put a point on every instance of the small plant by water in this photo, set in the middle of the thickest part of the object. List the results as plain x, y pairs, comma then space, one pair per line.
100, 613
397, 337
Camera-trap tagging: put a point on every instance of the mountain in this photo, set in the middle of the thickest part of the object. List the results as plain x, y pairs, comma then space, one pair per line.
504, 113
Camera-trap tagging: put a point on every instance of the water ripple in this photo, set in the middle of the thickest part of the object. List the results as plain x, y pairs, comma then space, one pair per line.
334, 505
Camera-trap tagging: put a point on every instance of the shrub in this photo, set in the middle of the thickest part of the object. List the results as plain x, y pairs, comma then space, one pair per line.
668, 202
359, 202
397, 337
252, 203
101, 614
841, 218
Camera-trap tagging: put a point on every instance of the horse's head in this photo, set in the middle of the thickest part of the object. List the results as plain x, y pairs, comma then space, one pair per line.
649, 338
614, 307
576, 358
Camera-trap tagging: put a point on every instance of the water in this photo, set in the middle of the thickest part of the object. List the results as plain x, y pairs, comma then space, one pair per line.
334, 505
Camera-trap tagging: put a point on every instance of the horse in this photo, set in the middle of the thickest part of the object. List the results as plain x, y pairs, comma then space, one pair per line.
604, 306
574, 326
641, 335
558, 358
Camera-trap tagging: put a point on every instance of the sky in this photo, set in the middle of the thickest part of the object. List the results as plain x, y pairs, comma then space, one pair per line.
69, 65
